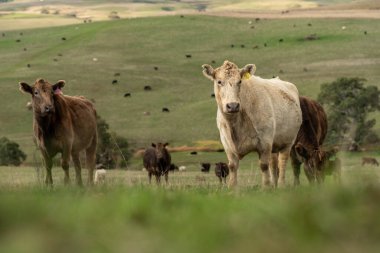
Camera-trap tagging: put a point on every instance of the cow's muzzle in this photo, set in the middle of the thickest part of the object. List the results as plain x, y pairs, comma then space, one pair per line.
233, 107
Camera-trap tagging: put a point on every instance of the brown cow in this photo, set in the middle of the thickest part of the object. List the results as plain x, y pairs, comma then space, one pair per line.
370, 161
157, 161
63, 124
307, 146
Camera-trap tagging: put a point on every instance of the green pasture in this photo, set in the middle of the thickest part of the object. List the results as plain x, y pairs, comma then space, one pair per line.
93, 53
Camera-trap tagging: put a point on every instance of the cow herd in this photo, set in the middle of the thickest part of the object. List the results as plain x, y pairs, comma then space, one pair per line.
267, 116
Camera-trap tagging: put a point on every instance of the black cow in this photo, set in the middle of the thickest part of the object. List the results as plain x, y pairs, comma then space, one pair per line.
157, 161
205, 167
221, 171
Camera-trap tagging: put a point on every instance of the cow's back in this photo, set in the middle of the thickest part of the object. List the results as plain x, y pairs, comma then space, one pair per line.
274, 108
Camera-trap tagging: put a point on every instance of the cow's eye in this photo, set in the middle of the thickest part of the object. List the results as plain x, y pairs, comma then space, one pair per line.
219, 82
36, 93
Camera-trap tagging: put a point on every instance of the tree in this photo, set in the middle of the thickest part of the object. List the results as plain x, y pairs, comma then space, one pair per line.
112, 149
348, 103
10, 153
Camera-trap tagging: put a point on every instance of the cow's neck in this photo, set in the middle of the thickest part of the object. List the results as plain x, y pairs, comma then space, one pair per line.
242, 132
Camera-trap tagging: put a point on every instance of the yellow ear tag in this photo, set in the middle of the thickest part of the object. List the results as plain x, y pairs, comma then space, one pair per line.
246, 76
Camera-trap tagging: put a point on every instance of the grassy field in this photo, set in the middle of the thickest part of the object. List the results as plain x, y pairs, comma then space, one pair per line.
93, 53
191, 214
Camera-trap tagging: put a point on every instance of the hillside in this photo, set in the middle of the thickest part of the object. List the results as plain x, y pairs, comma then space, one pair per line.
93, 53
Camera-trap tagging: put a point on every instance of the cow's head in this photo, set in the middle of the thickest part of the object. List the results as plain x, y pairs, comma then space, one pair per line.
160, 149
42, 95
227, 81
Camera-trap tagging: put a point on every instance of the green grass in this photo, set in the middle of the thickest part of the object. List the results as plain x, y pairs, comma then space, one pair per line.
133, 47
190, 214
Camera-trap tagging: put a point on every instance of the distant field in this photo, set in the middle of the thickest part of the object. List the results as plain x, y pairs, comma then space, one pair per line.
134, 47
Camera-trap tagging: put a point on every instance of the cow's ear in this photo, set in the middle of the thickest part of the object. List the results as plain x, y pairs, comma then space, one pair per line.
208, 72
248, 71
166, 144
59, 85
153, 145
26, 88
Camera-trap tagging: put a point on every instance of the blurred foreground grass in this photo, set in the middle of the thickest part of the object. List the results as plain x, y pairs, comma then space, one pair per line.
191, 214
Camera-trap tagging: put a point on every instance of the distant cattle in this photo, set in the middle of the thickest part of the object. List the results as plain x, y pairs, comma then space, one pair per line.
147, 88
156, 68
165, 109
188, 56
25, 49
307, 146
182, 168
18, 40
265, 44
281, 40
249, 109
114, 81
193, 153
232, 45
370, 161
116, 74
212, 95
157, 161
365, 33
212, 61
63, 124
309, 24
242, 46
28, 65
221, 171
205, 167
127, 95
63, 38
312, 37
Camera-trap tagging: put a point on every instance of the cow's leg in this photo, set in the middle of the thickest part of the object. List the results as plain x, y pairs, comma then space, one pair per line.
265, 158
158, 179
296, 165
65, 163
273, 166
91, 160
48, 165
233, 165
78, 174
150, 177
282, 159
167, 177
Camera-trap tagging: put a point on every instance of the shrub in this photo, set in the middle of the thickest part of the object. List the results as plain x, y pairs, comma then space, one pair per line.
10, 153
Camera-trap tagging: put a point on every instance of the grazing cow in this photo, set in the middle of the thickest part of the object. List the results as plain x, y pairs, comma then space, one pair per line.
370, 161
242, 46
63, 124
232, 45
165, 109
212, 95
205, 167
188, 56
193, 153
28, 65
281, 40
157, 161
254, 114
63, 38
127, 94
310, 137
156, 68
221, 171
114, 81
147, 88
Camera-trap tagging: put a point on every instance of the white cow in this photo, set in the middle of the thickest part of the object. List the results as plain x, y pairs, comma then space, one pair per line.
100, 176
254, 114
